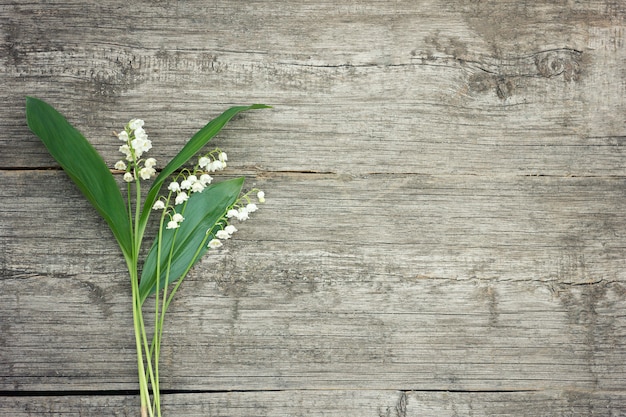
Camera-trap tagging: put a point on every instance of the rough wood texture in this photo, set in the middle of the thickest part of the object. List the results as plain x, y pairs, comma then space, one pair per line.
444, 232
329, 403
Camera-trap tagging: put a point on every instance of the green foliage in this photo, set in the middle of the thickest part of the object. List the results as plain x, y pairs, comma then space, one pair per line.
187, 244
197, 142
83, 165
175, 250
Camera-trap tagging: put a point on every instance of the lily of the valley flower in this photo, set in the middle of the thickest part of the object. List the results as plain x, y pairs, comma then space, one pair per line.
174, 186
216, 165
222, 234
141, 145
204, 161
175, 221
147, 173
205, 179
197, 187
242, 214
226, 233
251, 208
136, 141
135, 124
215, 243
212, 163
193, 181
181, 198
125, 149
185, 184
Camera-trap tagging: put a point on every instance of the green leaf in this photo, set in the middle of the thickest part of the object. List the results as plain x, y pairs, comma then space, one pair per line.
197, 142
83, 165
202, 212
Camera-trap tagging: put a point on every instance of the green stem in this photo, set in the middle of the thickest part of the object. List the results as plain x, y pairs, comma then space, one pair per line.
139, 330
141, 343
156, 397
131, 263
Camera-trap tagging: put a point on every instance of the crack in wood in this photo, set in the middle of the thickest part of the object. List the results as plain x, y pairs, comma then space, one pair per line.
401, 404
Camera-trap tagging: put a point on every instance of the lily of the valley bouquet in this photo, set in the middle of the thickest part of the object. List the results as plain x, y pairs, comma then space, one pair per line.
194, 214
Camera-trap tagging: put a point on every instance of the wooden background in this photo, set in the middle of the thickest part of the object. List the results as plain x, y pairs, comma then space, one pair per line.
445, 226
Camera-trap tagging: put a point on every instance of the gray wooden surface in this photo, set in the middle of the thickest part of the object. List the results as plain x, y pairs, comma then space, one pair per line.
445, 227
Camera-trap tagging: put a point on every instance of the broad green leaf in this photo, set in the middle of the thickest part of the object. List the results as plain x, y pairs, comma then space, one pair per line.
83, 165
192, 147
202, 212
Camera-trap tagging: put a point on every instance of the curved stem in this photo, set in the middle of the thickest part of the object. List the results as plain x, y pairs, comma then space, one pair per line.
160, 320
184, 274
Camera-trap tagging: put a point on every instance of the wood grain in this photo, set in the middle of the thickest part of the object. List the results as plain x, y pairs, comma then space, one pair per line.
334, 404
435, 300
400, 84
444, 231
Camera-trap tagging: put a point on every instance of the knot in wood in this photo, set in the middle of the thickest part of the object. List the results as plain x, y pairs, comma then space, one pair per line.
560, 62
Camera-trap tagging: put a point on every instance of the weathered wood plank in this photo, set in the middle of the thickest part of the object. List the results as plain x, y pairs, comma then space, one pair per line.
386, 403
435, 334
509, 228
410, 88
372, 283
464, 230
